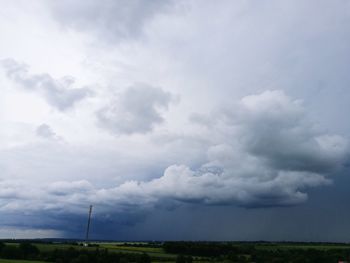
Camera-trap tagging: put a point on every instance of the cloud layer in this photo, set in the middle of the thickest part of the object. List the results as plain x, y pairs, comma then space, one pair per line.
266, 153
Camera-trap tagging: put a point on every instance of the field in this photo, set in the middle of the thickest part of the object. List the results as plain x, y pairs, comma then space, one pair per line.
154, 252
202, 252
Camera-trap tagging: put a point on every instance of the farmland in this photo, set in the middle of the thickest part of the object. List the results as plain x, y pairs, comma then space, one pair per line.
197, 252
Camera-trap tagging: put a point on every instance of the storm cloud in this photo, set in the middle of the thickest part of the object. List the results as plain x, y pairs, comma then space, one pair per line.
269, 154
94, 117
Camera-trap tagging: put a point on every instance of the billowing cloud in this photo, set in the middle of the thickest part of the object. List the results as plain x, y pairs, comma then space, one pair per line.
57, 92
267, 153
275, 128
136, 110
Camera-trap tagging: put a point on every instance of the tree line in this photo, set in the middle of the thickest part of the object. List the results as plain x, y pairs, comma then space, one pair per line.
245, 252
27, 251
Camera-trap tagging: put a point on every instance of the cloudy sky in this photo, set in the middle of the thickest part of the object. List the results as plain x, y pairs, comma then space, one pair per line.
213, 120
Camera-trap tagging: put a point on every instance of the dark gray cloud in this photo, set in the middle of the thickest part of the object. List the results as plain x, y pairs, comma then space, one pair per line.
109, 20
239, 170
136, 110
276, 129
57, 92
267, 153
322, 218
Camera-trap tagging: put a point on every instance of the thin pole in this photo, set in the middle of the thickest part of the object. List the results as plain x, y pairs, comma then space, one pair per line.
88, 225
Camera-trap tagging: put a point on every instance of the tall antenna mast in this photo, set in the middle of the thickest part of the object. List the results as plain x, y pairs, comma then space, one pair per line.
88, 225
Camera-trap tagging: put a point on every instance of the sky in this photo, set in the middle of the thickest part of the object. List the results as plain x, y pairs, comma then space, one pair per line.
176, 120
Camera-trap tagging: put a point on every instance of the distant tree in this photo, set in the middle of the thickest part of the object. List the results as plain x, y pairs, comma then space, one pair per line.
11, 252
2, 245
28, 250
